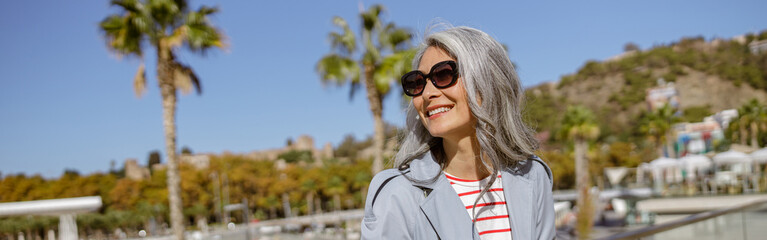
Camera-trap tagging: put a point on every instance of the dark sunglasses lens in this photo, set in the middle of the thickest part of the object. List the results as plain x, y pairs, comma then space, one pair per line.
443, 75
413, 83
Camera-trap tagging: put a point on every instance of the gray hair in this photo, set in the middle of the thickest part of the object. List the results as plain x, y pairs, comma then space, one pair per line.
489, 75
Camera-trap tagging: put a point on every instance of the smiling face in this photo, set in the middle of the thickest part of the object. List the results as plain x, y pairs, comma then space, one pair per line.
444, 112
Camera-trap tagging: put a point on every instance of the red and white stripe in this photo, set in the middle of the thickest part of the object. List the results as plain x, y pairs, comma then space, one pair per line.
492, 217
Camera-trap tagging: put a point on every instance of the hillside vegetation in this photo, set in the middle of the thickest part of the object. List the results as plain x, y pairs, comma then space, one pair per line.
710, 76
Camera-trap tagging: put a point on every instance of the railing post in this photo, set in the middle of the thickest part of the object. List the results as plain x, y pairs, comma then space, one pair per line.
246, 218
745, 231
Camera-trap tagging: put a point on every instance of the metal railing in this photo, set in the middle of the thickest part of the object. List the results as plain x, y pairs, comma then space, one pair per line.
653, 231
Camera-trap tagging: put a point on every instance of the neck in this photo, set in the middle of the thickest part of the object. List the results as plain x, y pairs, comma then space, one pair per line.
463, 159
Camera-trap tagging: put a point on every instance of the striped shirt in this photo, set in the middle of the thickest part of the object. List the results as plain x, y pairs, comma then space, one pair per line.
492, 220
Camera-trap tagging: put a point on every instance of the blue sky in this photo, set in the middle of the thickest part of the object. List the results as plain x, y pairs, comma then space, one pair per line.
68, 103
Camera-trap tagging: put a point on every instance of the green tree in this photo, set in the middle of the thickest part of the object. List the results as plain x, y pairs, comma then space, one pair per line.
336, 186
376, 69
656, 125
309, 185
154, 158
296, 156
578, 125
186, 150
750, 116
166, 25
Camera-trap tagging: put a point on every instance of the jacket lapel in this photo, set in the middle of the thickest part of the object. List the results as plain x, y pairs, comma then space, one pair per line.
519, 202
442, 207
447, 214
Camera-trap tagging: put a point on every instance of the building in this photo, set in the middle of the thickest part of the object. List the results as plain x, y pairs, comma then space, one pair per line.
664, 93
757, 47
199, 161
302, 143
702, 137
135, 172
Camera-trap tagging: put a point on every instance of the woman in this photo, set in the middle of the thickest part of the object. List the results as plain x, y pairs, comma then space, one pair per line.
466, 168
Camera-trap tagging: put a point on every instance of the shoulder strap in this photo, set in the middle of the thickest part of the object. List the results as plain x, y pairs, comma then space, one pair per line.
426, 191
381, 187
548, 170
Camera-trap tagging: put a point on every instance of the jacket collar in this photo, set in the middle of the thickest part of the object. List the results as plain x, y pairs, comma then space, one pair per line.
444, 209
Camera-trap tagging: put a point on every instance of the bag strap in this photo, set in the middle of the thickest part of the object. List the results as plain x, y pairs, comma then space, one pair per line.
426, 191
381, 187
548, 170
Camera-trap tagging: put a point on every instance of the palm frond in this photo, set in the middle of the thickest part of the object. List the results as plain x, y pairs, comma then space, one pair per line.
200, 33
345, 42
391, 68
336, 69
177, 38
185, 78
122, 35
394, 38
139, 81
579, 123
166, 13
128, 5
370, 19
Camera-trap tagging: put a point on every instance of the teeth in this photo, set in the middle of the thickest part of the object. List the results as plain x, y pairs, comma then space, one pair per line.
439, 110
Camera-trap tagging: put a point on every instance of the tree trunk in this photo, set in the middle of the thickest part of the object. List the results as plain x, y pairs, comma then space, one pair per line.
754, 133
581, 169
670, 146
318, 205
659, 146
742, 128
286, 205
310, 203
337, 201
272, 212
168, 92
582, 183
376, 107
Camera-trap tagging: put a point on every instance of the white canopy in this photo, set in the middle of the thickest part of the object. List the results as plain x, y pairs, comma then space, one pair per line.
731, 157
693, 162
664, 162
760, 155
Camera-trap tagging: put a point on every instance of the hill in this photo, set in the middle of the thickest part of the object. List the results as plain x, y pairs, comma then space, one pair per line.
709, 76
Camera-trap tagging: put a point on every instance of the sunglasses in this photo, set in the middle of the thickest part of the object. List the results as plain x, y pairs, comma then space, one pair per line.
442, 75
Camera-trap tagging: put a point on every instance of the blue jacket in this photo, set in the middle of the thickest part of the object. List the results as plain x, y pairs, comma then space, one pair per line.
432, 210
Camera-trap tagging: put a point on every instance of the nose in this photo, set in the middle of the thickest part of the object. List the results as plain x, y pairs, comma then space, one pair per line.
430, 91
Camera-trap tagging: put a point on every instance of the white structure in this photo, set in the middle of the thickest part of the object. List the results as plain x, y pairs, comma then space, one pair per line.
760, 156
665, 171
65, 208
736, 161
733, 167
695, 165
724, 117
665, 93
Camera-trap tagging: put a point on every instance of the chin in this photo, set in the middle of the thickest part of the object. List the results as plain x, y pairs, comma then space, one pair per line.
443, 131
439, 131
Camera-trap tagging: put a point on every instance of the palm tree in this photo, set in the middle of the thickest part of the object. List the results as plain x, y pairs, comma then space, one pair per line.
335, 186
657, 125
362, 181
376, 70
166, 25
310, 186
578, 124
750, 116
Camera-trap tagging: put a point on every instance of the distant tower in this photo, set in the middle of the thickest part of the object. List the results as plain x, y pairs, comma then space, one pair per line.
135, 172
